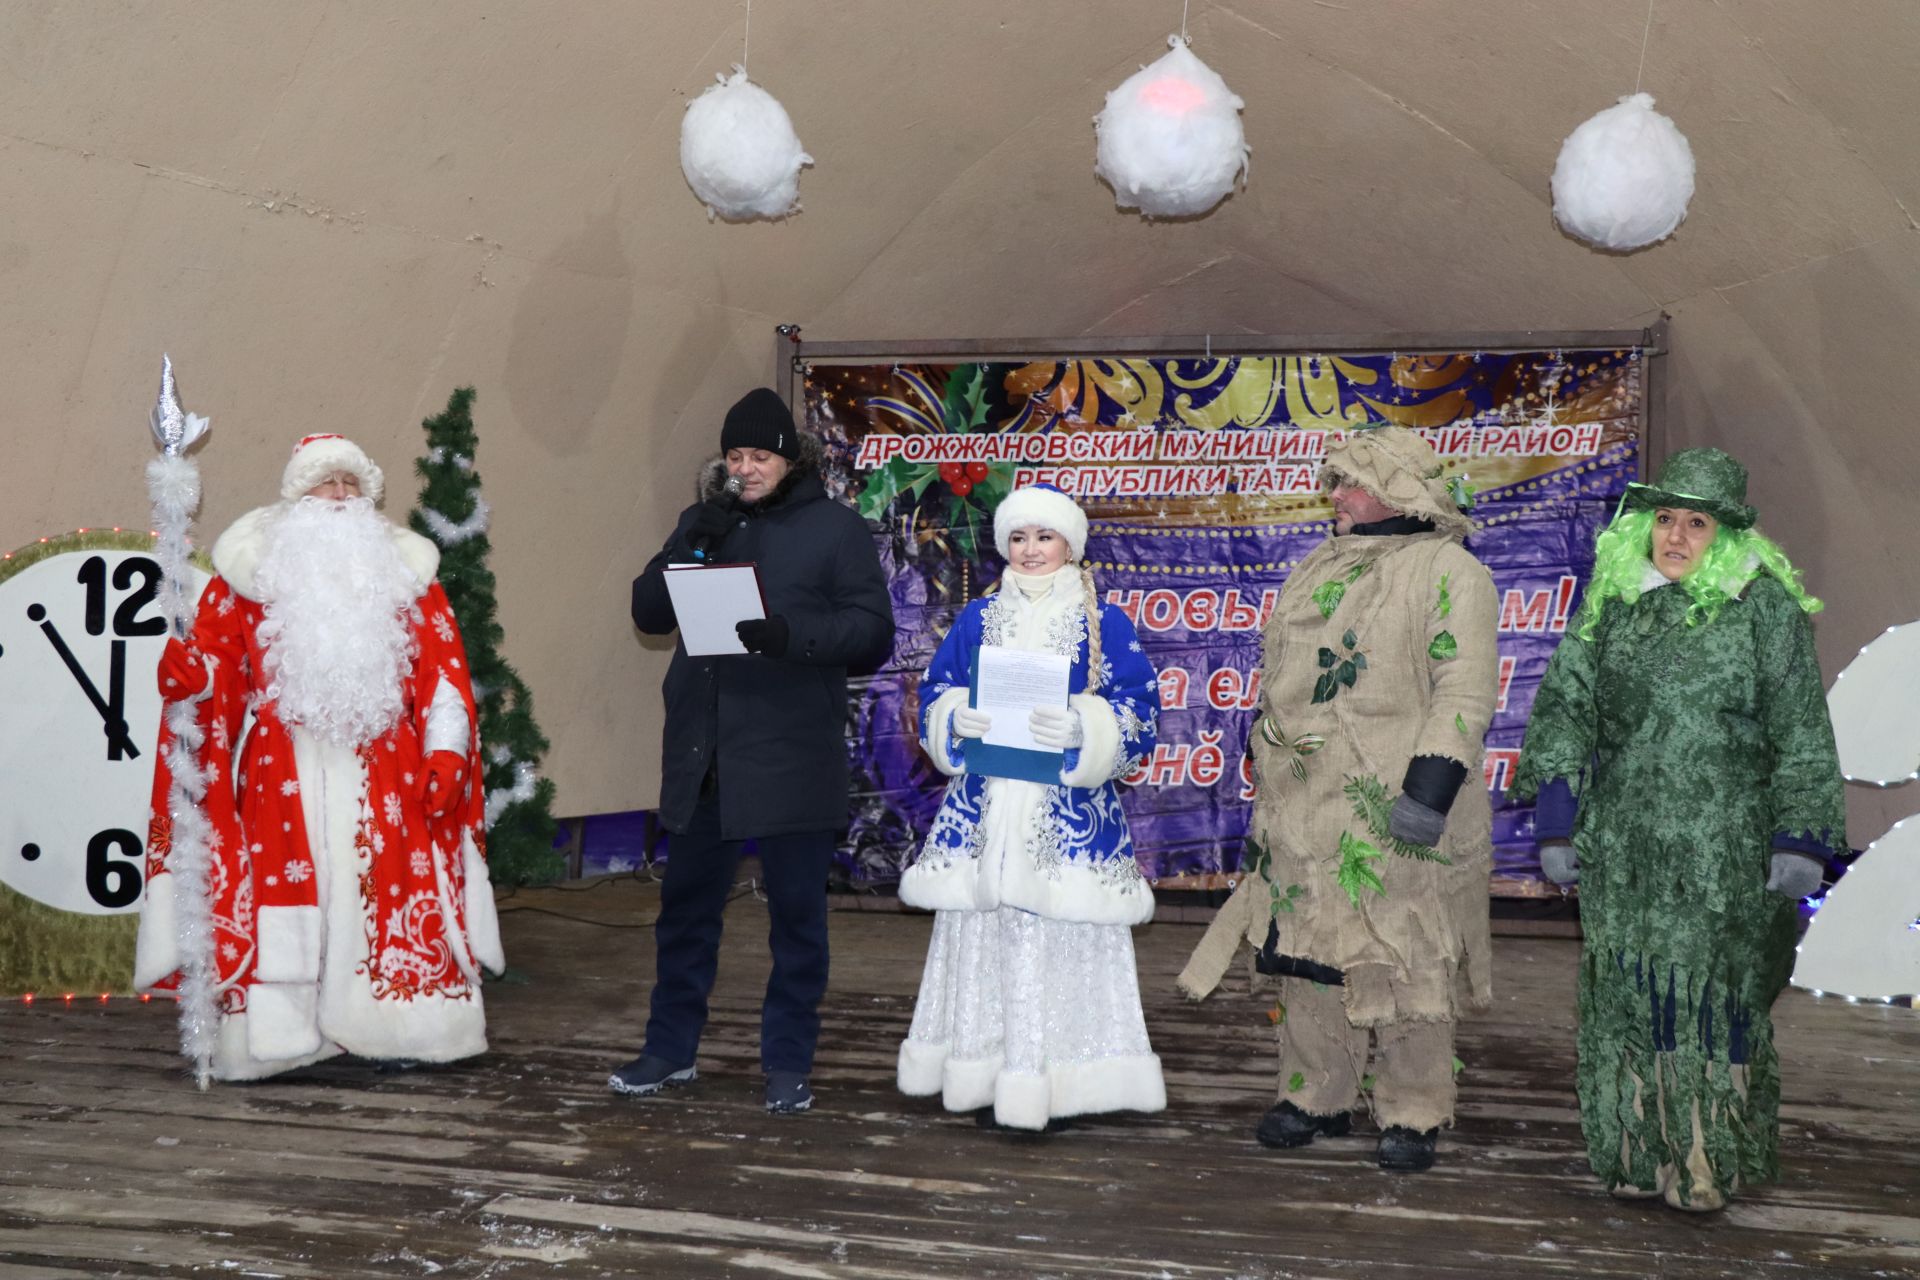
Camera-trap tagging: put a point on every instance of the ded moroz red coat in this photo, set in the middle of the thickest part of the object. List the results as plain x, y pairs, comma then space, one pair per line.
345, 919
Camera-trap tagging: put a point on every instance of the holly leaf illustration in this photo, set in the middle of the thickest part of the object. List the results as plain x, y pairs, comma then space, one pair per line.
965, 405
1442, 647
888, 482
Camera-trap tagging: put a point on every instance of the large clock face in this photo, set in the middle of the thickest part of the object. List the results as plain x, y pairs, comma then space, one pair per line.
80, 637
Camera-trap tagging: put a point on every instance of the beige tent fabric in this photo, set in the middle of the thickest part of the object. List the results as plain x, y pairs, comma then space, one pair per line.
1401, 952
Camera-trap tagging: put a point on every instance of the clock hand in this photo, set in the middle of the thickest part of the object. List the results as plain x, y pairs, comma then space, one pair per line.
117, 740
116, 728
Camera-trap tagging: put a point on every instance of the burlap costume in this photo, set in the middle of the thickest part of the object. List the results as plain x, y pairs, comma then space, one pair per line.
1381, 649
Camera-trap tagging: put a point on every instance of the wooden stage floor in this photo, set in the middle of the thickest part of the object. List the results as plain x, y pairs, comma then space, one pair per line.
521, 1164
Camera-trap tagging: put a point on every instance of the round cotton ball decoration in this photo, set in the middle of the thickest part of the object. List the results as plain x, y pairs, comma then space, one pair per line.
1624, 177
1169, 139
739, 152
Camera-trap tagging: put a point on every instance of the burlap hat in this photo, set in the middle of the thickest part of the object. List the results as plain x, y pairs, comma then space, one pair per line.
1401, 469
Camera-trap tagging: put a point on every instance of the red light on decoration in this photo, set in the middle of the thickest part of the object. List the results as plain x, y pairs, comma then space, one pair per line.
103, 997
79, 530
1173, 95
68, 997
27, 998
145, 996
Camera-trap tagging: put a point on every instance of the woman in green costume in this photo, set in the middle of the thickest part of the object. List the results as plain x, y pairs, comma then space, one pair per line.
1685, 775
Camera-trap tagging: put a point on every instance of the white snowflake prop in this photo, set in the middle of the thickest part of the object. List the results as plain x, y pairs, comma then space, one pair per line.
739, 152
1169, 141
1865, 942
1624, 178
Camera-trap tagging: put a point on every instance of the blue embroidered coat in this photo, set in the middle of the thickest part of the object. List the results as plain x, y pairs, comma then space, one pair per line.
1063, 851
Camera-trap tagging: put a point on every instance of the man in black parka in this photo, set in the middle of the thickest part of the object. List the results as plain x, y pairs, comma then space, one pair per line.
754, 746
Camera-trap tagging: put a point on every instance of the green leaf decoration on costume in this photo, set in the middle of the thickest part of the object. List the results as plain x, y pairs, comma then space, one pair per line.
1299, 768
1368, 796
1458, 1066
1328, 595
1459, 722
1296, 1082
1270, 731
1366, 1084
1337, 673
1355, 874
1445, 605
1442, 647
1460, 488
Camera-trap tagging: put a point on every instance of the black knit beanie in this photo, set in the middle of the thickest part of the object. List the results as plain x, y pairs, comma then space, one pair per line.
760, 420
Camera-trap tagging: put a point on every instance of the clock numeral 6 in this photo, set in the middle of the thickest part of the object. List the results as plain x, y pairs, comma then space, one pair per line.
126, 619
111, 882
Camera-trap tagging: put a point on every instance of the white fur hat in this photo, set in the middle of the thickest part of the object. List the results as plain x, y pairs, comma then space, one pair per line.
319, 456
1040, 506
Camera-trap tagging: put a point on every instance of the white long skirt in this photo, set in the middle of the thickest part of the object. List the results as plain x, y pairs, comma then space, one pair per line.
1035, 1018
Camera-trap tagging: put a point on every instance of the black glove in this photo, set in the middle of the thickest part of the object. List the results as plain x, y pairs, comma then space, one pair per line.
763, 635
709, 526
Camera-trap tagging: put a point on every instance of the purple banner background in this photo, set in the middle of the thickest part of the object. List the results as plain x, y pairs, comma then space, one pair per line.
1171, 560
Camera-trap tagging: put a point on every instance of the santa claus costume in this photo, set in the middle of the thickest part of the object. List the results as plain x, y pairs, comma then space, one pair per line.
348, 888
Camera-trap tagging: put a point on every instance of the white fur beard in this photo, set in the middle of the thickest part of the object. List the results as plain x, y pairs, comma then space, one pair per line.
337, 599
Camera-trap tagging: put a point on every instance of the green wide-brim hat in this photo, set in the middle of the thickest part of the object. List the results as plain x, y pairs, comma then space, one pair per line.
1709, 480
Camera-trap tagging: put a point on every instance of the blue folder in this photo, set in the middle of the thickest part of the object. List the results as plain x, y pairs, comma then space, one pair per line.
1006, 762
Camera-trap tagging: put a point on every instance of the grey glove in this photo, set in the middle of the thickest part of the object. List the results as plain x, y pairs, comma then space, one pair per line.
1560, 861
1794, 875
1414, 822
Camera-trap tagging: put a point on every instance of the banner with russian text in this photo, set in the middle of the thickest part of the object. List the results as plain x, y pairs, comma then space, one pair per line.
1201, 480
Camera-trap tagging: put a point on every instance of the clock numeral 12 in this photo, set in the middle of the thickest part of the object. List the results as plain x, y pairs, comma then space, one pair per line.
126, 619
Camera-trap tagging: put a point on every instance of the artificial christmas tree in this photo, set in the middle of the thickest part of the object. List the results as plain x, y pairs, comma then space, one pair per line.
520, 824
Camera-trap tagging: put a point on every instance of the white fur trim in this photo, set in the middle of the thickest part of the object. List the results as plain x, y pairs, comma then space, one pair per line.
939, 741
947, 886
919, 1071
448, 728
289, 947
1028, 1100
281, 1021
156, 947
318, 457
968, 1084
1044, 508
236, 552
481, 916
1079, 892
1100, 743
232, 1061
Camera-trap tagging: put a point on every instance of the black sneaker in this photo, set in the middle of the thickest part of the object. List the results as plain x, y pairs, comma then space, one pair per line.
1405, 1150
647, 1074
1286, 1125
787, 1093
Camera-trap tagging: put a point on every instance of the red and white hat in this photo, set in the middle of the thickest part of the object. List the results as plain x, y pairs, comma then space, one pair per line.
319, 456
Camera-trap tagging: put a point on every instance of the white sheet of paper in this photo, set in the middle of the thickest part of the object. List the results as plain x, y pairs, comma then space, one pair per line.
1012, 683
708, 601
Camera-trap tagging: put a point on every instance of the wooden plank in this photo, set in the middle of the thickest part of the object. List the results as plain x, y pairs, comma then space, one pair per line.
520, 1163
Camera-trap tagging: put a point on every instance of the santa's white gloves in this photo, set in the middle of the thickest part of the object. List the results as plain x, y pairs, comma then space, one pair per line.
1794, 875
1056, 728
1560, 861
969, 722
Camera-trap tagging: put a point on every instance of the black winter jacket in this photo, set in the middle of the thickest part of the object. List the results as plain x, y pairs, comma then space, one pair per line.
772, 729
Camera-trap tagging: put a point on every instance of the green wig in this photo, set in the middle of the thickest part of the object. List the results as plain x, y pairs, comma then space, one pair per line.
1622, 558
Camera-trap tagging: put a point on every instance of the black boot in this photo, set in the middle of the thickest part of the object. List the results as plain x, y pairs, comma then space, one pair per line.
1286, 1125
1405, 1150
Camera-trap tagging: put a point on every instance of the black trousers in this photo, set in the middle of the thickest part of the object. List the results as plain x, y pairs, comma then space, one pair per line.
700, 871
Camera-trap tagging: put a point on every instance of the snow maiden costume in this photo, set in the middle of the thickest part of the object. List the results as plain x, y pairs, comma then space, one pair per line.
1029, 1002
351, 910
1681, 739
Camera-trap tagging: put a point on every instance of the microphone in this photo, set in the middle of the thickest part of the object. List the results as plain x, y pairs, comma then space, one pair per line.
726, 500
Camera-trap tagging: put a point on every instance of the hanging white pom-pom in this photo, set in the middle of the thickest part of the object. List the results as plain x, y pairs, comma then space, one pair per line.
1170, 142
1624, 177
739, 152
